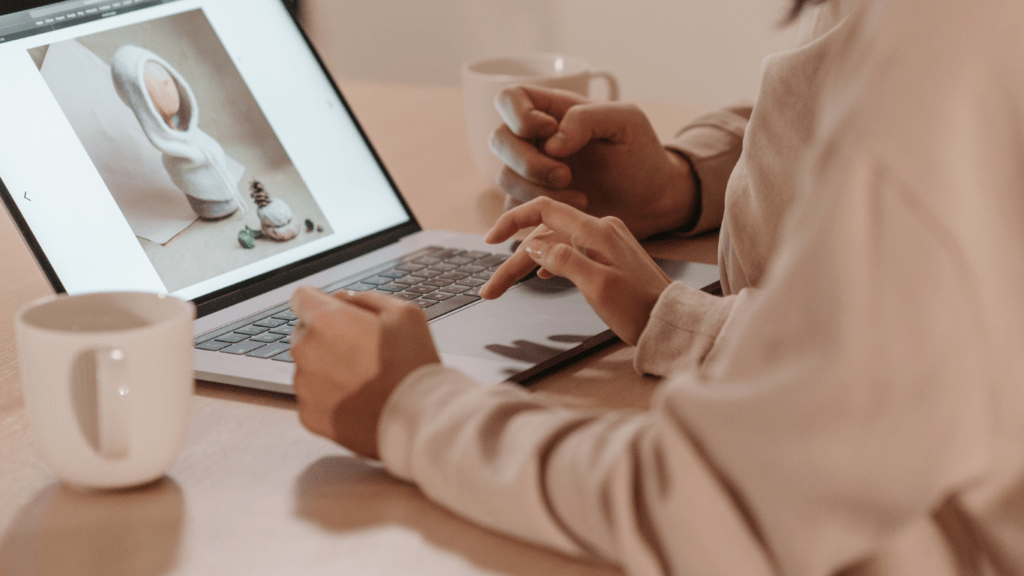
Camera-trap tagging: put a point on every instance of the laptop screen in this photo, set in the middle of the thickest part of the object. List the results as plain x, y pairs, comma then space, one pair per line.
179, 146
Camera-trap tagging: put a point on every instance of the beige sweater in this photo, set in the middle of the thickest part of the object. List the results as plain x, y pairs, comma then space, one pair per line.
856, 401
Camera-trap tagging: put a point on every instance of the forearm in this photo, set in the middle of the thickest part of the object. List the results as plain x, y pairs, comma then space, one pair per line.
588, 483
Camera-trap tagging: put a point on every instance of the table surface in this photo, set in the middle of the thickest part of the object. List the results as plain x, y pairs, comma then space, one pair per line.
253, 492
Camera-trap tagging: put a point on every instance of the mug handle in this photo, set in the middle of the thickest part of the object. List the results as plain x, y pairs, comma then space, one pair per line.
112, 402
613, 84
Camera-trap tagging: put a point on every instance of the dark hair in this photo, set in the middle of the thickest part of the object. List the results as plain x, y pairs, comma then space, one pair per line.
798, 7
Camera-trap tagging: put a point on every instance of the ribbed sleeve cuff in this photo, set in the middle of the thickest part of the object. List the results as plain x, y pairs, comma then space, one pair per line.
683, 327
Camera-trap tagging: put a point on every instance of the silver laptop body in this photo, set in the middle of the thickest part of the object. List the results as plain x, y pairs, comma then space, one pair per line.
106, 201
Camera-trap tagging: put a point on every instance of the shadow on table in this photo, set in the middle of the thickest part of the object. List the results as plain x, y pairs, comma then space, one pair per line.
344, 494
63, 531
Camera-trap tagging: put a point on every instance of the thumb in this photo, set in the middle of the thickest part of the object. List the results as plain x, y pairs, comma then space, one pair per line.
582, 124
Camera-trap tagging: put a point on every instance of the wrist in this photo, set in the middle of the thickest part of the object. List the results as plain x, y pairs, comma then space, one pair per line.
677, 207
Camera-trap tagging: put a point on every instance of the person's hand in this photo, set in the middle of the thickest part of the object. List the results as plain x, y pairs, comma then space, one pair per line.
603, 158
351, 350
599, 255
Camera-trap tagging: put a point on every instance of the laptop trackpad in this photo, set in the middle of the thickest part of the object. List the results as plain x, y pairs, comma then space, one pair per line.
518, 335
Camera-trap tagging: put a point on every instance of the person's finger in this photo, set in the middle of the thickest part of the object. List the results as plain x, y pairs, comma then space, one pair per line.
564, 260
522, 190
523, 158
374, 302
511, 271
610, 122
577, 227
533, 112
307, 302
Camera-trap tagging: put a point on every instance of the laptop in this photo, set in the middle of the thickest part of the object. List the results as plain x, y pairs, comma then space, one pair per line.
198, 148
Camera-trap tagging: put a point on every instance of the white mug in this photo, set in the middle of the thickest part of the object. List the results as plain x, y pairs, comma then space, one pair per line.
107, 381
483, 79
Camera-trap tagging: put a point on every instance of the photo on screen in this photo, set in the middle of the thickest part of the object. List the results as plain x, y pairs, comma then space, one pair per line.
182, 145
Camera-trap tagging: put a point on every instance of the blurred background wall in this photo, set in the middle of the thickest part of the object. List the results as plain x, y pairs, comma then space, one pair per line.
704, 52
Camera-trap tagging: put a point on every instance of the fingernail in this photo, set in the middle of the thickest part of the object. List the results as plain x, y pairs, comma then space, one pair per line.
555, 143
536, 248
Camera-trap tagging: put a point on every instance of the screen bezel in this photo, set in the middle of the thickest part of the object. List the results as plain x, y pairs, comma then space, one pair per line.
241, 291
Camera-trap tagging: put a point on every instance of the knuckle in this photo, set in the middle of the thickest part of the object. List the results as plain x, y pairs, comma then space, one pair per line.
607, 228
617, 226
408, 313
543, 202
559, 256
630, 108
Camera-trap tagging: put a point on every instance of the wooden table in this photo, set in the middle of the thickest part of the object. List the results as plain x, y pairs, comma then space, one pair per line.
253, 492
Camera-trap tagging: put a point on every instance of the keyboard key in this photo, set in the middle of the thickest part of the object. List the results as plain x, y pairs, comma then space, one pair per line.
426, 273
213, 345
287, 315
427, 260
243, 347
422, 289
410, 267
251, 330
438, 296
485, 276
392, 287
376, 280
285, 356
232, 337
360, 287
393, 273
454, 275
492, 260
455, 289
286, 330
471, 282
443, 267
423, 303
439, 282
453, 303
471, 268
459, 260
446, 253
475, 255
269, 351
407, 296
270, 323
267, 337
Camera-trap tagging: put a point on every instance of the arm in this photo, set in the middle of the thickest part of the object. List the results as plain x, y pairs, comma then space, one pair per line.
605, 159
817, 427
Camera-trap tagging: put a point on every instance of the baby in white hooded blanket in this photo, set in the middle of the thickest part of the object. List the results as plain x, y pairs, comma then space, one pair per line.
166, 108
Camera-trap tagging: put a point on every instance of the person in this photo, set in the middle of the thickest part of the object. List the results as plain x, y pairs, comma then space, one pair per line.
852, 405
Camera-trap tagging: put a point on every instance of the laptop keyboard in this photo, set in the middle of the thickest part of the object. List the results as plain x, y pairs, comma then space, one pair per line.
438, 280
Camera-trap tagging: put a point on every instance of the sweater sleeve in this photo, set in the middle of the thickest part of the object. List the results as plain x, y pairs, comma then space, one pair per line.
797, 447
712, 145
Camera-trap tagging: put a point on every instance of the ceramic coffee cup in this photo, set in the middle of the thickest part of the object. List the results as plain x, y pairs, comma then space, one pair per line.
484, 78
107, 381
